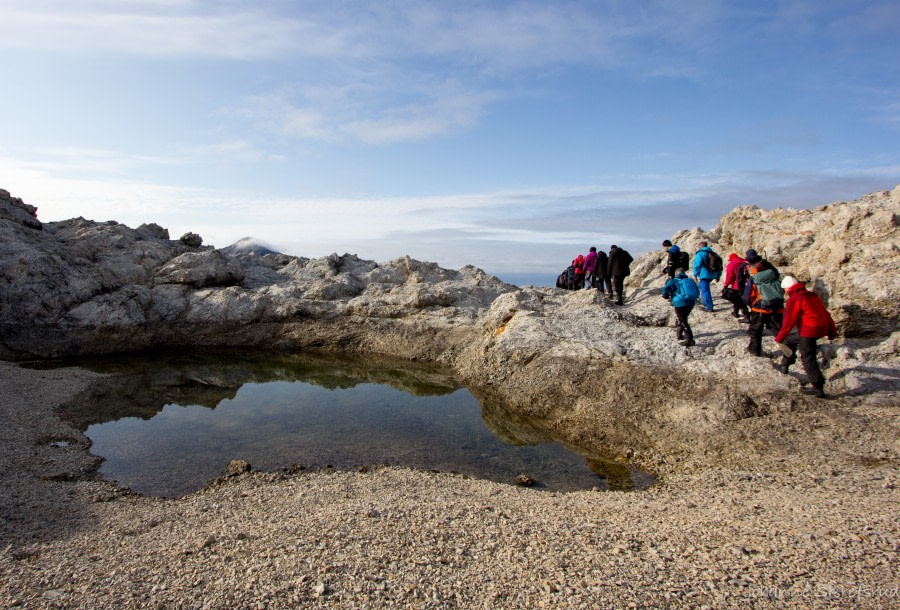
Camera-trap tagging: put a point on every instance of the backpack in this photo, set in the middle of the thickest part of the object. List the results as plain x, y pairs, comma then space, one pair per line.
683, 261
771, 294
562, 279
713, 262
570, 273
687, 289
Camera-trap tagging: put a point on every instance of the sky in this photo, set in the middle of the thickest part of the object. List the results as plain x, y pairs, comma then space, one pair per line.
511, 135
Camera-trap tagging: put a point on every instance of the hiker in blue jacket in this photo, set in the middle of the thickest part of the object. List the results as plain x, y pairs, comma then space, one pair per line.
702, 263
683, 293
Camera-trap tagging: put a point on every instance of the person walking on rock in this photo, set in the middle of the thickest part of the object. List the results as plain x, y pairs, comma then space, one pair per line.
707, 268
619, 268
683, 293
578, 264
804, 310
765, 298
734, 288
601, 278
675, 258
589, 262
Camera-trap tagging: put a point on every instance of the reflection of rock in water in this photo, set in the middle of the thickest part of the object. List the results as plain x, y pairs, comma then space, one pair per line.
509, 427
141, 385
617, 475
518, 430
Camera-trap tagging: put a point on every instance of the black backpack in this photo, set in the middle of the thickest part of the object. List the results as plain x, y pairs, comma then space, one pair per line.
684, 261
713, 262
563, 280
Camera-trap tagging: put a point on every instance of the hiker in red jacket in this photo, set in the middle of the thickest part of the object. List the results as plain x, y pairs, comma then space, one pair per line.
734, 288
805, 310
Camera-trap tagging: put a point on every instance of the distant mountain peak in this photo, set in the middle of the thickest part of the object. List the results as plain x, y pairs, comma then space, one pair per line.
249, 245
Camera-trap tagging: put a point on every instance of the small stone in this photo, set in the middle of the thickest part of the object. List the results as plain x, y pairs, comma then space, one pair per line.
237, 467
525, 481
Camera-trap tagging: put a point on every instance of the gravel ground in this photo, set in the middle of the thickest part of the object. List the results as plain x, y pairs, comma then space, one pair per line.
775, 533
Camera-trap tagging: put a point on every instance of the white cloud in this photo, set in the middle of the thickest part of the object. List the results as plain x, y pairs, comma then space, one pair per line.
163, 29
384, 110
491, 37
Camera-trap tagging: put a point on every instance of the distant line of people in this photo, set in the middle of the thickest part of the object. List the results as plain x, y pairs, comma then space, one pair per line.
599, 270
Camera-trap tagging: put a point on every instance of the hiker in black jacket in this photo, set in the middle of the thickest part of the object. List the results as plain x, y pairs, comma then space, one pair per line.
601, 277
619, 268
675, 258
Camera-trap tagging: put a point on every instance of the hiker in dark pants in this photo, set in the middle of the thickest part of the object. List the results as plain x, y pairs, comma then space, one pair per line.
765, 298
683, 293
601, 278
734, 288
675, 258
590, 262
619, 268
805, 311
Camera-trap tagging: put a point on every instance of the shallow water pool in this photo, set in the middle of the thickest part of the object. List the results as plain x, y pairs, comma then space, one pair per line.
167, 424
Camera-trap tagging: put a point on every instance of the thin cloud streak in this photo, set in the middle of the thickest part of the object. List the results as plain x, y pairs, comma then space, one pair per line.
141, 31
504, 37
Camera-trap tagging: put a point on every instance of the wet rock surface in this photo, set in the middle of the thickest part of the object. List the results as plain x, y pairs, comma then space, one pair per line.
766, 496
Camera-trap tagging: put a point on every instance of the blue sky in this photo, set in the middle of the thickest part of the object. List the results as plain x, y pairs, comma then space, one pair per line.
508, 135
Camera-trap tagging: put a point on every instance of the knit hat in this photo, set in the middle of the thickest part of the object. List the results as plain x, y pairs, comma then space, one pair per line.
788, 281
752, 256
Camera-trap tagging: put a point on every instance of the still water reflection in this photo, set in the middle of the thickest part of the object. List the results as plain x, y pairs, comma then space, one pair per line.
166, 424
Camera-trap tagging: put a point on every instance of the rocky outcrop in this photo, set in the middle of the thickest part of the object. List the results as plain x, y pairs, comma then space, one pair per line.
848, 252
81, 287
572, 365
17, 211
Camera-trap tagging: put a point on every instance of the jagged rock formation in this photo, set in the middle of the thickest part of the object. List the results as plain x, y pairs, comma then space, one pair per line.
77, 286
611, 380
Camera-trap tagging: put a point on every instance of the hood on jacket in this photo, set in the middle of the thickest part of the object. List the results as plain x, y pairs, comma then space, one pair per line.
673, 249
732, 256
798, 287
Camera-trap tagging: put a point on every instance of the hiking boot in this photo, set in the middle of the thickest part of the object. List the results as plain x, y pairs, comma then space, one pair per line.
688, 343
752, 350
735, 314
816, 391
783, 368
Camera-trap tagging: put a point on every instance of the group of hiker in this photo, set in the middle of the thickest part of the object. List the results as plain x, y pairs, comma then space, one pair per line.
605, 272
756, 292
759, 296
